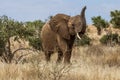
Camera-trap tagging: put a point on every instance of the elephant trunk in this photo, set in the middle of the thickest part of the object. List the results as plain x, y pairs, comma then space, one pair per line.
83, 12
83, 19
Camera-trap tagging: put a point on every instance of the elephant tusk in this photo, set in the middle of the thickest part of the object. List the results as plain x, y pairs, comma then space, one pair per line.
78, 36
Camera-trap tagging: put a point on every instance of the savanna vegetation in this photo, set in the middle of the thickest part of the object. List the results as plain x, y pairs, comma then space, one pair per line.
9, 28
95, 57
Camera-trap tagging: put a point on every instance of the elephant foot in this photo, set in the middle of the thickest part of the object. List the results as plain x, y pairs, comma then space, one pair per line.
60, 57
67, 62
47, 56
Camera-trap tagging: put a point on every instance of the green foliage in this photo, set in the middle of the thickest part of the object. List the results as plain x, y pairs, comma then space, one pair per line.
2, 44
37, 24
85, 40
100, 23
34, 40
26, 31
115, 18
35, 43
109, 39
7, 29
18, 30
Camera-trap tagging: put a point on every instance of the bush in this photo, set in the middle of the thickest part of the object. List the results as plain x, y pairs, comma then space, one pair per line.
9, 28
2, 45
85, 40
115, 18
99, 23
34, 27
35, 43
109, 39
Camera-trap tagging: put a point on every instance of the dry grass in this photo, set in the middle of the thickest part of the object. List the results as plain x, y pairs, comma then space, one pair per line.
91, 31
88, 63
95, 62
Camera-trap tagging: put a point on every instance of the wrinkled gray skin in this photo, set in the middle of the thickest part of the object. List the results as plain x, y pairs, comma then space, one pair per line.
59, 34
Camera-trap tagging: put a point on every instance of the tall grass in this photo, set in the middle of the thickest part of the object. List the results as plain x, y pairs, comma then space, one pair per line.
87, 63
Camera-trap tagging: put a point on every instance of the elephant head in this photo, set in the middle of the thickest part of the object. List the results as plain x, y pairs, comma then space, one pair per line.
66, 26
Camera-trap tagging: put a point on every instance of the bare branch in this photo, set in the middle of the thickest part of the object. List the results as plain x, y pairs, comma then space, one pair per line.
19, 58
14, 52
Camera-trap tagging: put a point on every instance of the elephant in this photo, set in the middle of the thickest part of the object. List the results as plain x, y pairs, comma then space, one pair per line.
59, 33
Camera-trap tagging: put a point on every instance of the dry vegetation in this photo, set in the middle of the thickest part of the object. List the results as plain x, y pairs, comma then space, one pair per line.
95, 62
92, 33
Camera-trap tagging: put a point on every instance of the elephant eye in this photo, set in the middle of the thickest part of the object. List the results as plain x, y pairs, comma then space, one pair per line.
79, 23
73, 25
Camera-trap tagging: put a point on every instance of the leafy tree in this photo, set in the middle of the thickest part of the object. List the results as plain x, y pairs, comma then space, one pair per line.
35, 40
18, 30
35, 43
115, 18
99, 23
110, 39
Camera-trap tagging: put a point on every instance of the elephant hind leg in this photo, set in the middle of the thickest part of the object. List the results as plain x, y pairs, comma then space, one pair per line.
48, 55
60, 56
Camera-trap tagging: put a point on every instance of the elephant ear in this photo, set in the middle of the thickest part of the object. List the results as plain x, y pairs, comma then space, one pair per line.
59, 24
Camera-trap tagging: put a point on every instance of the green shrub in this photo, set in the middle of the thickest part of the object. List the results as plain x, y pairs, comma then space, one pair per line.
99, 23
9, 28
85, 40
115, 18
35, 43
2, 45
109, 39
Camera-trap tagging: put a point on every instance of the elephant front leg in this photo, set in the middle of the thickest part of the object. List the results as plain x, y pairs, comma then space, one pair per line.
64, 47
48, 55
60, 56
